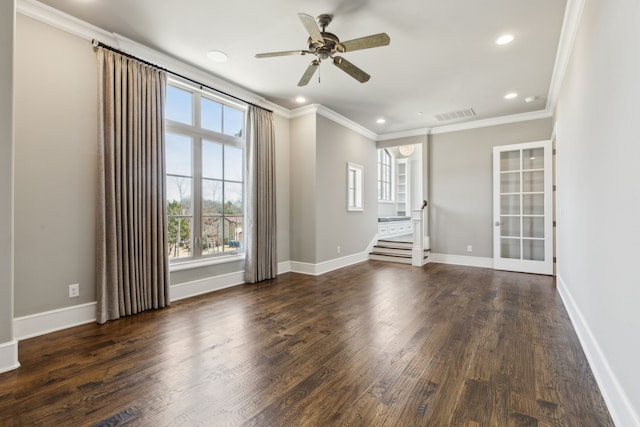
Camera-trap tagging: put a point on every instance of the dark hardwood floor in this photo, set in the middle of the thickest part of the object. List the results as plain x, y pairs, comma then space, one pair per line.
375, 344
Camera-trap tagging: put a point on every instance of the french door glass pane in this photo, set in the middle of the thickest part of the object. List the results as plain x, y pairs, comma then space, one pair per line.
510, 248
179, 237
533, 181
533, 204
533, 226
533, 158
232, 198
533, 250
510, 204
233, 229
178, 154
510, 226
510, 161
510, 182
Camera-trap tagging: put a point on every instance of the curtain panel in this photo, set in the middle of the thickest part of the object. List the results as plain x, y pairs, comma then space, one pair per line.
261, 262
132, 267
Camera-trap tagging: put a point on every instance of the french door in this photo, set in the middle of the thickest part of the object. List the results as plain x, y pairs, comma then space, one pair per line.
522, 207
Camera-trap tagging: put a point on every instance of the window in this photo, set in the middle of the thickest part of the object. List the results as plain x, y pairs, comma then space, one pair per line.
354, 187
384, 175
205, 174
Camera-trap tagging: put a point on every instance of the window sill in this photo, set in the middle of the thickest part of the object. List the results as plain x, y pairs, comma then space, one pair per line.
205, 262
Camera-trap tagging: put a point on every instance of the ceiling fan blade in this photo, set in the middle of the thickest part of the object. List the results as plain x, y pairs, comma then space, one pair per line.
311, 69
375, 40
283, 53
351, 69
309, 23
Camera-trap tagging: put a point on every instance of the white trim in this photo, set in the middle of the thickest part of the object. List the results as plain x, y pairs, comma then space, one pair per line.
9, 356
570, 25
404, 134
494, 121
284, 267
333, 116
334, 264
617, 401
204, 262
55, 320
327, 266
203, 286
470, 261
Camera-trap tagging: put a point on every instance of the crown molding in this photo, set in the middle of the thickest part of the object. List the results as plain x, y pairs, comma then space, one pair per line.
570, 25
404, 134
335, 117
494, 121
62, 21
84, 30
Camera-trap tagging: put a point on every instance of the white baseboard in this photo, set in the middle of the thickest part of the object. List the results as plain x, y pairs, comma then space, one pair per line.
284, 267
9, 356
54, 320
327, 266
471, 261
203, 286
618, 403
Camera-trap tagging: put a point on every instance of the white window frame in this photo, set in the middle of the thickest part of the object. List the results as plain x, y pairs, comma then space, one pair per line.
198, 135
387, 196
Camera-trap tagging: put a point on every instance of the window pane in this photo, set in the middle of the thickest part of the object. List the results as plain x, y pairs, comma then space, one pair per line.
178, 154
232, 198
179, 237
179, 105
233, 233
178, 195
233, 121
233, 165
212, 236
211, 115
211, 197
211, 160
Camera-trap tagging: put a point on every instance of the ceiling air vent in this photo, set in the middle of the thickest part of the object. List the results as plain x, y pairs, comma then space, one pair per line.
455, 115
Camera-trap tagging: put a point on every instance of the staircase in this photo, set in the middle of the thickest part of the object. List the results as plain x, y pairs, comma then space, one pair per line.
395, 249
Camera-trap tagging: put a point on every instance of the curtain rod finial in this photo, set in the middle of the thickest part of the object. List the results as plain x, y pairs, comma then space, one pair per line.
95, 43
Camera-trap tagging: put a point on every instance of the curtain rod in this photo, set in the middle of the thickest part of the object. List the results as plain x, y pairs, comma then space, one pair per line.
96, 44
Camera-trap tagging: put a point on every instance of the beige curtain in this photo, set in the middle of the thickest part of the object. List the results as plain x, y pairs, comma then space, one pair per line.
260, 223
132, 272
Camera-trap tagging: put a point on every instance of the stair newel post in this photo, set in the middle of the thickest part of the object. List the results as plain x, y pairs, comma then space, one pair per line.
417, 253
418, 218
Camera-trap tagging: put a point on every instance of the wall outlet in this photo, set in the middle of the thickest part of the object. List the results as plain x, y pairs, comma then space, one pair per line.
469, 248
338, 249
74, 290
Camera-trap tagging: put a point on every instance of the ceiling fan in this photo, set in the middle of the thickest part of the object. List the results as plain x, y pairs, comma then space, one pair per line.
326, 45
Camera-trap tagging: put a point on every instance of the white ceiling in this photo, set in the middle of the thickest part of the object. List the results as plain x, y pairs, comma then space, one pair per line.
442, 56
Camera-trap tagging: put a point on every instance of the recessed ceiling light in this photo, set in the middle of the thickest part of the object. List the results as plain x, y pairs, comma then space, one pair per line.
511, 95
217, 56
420, 113
301, 99
380, 121
505, 39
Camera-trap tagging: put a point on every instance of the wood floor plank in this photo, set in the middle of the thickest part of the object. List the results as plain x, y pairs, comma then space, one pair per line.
374, 344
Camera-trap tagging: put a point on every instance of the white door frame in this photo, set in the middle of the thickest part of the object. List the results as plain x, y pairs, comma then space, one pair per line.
544, 266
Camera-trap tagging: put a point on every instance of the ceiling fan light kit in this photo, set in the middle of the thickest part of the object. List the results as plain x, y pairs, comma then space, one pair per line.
325, 45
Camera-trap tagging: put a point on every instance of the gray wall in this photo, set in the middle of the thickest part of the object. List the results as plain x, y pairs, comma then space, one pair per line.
598, 135
335, 226
461, 186
7, 38
55, 176
303, 188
